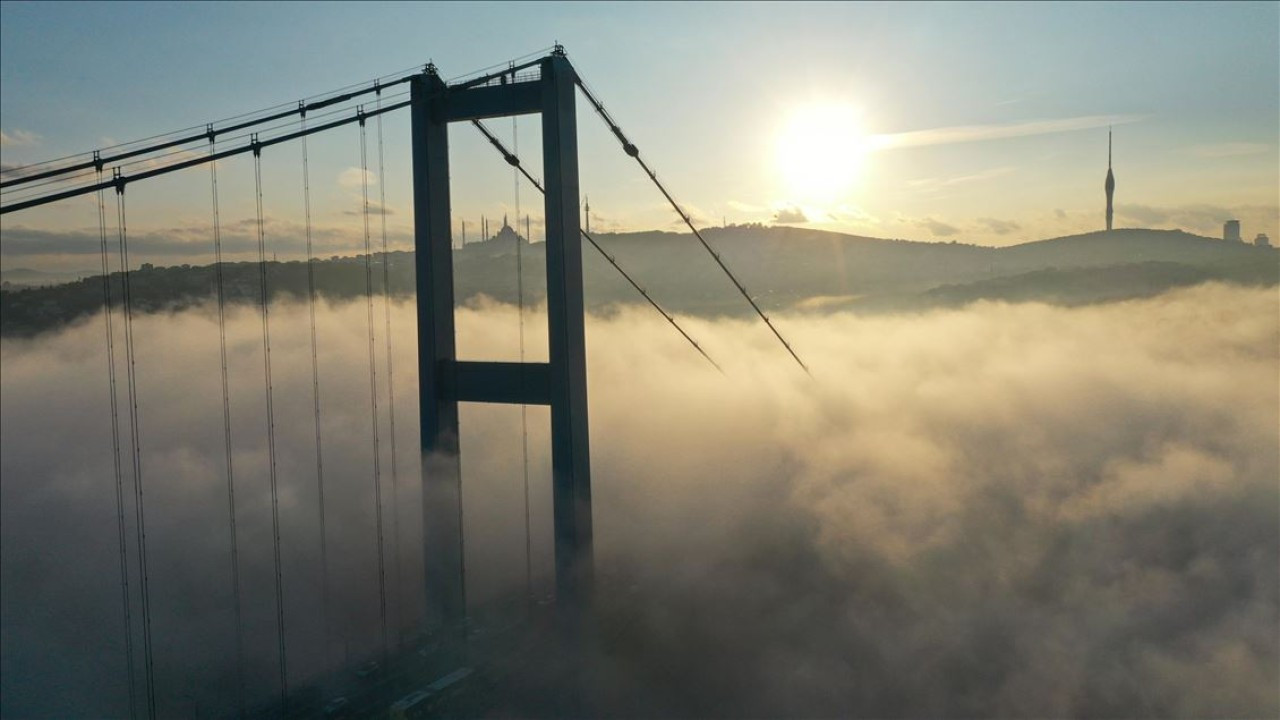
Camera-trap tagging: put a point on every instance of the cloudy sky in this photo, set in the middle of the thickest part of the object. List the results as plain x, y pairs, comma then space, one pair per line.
980, 123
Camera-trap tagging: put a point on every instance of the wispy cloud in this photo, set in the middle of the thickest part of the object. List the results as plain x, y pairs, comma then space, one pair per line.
1231, 149
998, 226
932, 183
937, 227
18, 138
853, 214
374, 209
746, 207
354, 177
978, 133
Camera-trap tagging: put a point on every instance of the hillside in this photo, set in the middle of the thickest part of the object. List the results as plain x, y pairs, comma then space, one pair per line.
784, 267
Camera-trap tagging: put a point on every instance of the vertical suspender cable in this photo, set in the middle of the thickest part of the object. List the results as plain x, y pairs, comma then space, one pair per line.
271, 429
524, 409
315, 398
139, 505
391, 387
373, 386
115, 449
220, 289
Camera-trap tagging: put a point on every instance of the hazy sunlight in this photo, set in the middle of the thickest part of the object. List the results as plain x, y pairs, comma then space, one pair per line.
820, 152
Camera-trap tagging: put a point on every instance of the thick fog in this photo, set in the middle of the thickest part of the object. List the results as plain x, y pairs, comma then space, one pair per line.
1002, 510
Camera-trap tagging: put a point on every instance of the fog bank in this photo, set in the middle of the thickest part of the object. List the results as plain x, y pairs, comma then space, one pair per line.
1014, 510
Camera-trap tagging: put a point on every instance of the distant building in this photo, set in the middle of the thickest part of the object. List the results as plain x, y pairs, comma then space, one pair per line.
1110, 184
1262, 240
1231, 231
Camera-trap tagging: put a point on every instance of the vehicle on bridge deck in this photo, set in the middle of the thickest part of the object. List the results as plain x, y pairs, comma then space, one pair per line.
338, 709
422, 703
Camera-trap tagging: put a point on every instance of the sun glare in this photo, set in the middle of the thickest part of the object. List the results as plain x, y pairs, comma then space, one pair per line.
820, 152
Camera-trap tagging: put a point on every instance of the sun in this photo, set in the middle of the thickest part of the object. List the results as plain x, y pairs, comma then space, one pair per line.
821, 152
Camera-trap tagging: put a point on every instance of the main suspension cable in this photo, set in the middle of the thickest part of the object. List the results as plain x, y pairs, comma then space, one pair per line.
271, 432
634, 152
373, 392
515, 162
139, 505
256, 142
220, 286
315, 397
191, 137
115, 454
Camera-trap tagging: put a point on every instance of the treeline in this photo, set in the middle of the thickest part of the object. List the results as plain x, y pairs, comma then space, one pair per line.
783, 268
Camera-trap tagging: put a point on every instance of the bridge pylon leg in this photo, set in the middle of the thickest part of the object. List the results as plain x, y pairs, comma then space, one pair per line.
444, 381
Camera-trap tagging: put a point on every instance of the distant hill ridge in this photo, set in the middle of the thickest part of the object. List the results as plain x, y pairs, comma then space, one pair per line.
785, 268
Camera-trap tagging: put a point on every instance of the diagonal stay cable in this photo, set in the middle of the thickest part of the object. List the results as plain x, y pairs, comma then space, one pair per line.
515, 162
634, 152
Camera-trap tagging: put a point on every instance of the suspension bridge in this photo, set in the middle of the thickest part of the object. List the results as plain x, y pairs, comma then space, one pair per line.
446, 645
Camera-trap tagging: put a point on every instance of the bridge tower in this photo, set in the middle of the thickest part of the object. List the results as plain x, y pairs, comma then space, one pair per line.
444, 381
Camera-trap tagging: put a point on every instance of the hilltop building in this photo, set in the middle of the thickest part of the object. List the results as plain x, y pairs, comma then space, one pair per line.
1231, 231
1110, 184
507, 233
1262, 240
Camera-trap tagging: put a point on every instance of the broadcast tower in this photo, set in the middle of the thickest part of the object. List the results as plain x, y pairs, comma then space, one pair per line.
1111, 180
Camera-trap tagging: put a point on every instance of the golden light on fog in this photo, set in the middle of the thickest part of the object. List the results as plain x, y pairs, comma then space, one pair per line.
820, 152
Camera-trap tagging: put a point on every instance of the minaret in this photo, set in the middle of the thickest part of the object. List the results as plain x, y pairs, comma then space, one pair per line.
1111, 180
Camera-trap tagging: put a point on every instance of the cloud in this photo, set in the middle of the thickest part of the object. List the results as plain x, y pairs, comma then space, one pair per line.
1235, 149
698, 215
374, 209
937, 227
599, 224
853, 214
354, 177
999, 227
792, 215
747, 207
18, 138
979, 133
1202, 218
958, 515
935, 183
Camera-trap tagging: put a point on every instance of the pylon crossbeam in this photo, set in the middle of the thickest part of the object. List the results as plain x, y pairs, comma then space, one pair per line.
501, 382
491, 101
